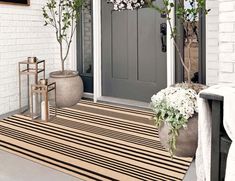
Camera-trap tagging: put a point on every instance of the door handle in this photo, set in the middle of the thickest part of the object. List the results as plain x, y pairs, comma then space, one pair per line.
163, 31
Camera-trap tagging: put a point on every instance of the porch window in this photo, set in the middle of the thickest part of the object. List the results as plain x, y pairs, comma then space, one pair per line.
85, 47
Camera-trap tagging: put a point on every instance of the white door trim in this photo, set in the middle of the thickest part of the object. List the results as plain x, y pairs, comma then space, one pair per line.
170, 53
96, 11
73, 53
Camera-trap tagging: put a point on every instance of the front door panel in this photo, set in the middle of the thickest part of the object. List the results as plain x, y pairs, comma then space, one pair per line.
133, 63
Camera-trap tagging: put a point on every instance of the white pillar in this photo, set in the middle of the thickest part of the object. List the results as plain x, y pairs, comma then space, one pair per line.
170, 52
96, 10
73, 53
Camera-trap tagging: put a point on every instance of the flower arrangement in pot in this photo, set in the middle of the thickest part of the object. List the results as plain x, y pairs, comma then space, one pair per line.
175, 110
63, 16
175, 107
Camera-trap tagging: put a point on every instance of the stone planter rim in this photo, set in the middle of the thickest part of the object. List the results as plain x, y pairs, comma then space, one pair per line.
67, 74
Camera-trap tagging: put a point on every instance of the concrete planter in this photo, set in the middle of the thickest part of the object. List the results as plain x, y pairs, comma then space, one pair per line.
186, 142
69, 87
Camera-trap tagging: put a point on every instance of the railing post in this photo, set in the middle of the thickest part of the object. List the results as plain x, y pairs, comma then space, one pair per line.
217, 118
216, 104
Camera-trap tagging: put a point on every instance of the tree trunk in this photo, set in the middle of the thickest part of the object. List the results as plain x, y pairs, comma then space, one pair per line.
61, 56
62, 66
189, 61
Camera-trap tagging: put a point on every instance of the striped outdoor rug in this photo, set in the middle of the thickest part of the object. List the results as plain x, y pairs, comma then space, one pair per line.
94, 141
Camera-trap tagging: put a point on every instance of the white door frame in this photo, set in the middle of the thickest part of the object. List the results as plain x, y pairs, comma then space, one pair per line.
96, 11
170, 53
97, 77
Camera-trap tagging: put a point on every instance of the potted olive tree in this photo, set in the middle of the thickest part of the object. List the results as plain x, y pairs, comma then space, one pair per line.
63, 16
175, 107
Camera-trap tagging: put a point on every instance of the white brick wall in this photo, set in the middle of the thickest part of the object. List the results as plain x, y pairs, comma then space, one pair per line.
226, 41
212, 42
22, 34
220, 42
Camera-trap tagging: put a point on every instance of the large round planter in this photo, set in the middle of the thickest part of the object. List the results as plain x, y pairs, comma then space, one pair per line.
186, 142
69, 87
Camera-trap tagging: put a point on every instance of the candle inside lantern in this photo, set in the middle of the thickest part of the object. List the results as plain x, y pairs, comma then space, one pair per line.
35, 104
43, 110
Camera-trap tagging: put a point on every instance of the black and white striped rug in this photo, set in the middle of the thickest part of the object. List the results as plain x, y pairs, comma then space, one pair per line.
94, 141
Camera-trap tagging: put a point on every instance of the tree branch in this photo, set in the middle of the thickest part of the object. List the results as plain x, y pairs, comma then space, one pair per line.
73, 29
176, 45
55, 23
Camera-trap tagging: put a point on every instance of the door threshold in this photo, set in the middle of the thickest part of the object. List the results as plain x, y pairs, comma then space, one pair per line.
88, 95
125, 102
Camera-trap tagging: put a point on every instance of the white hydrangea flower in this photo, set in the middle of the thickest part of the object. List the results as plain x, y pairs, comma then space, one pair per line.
119, 5
183, 101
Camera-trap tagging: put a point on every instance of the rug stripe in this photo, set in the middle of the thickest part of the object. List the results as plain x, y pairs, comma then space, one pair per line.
45, 160
116, 128
121, 122
110, 142
94, 142
106, 122
128, 119
64, 125
71, 158
101, 161
48, 143
113, 133
100, 146
54, 129
116, 107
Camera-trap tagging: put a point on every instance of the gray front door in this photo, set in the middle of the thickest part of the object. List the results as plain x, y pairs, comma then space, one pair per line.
133, 63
